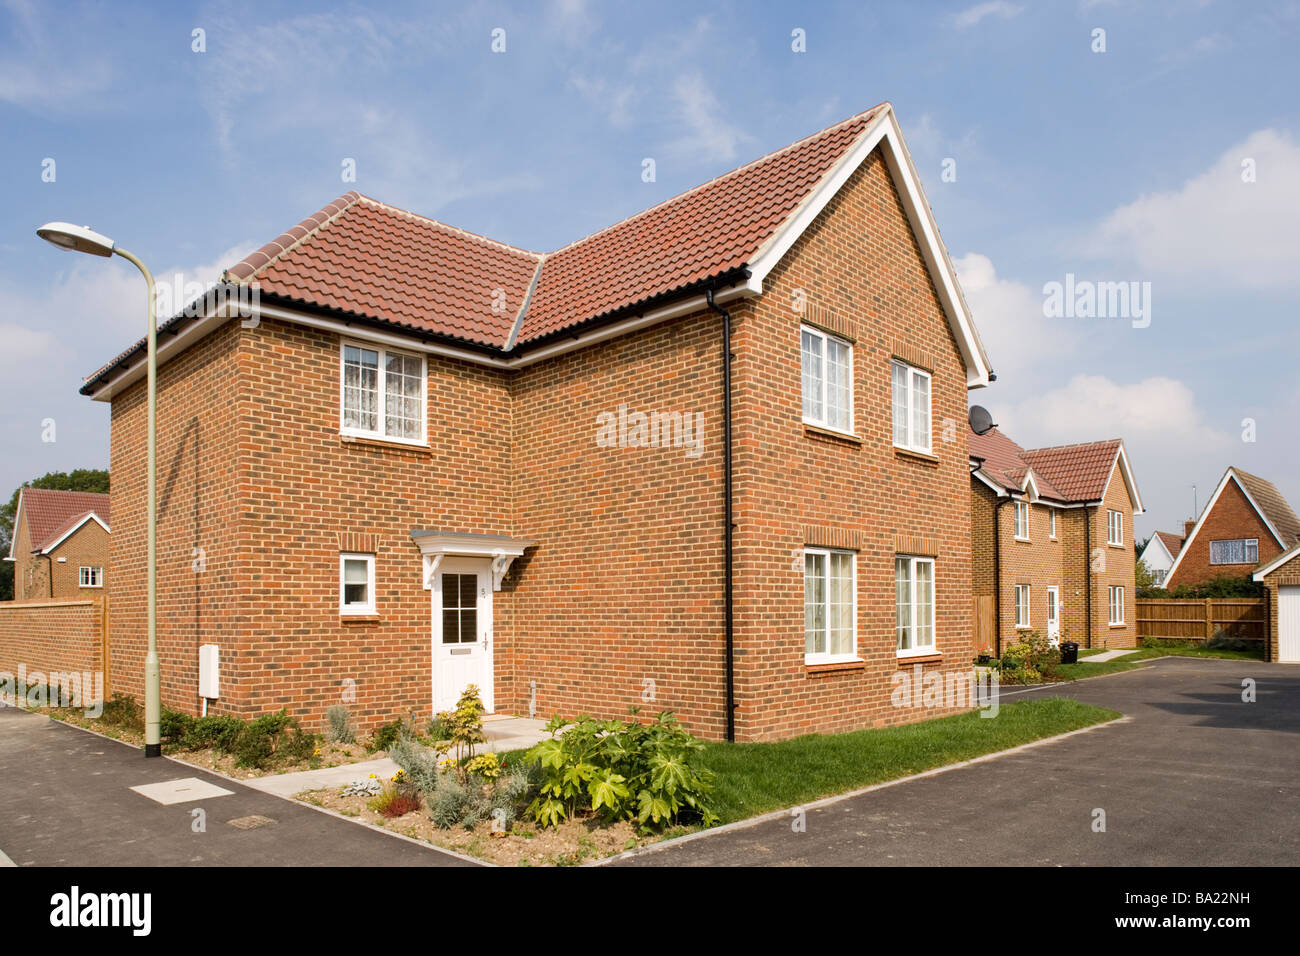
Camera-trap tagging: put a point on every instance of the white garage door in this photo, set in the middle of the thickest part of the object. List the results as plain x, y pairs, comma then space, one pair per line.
1288, 625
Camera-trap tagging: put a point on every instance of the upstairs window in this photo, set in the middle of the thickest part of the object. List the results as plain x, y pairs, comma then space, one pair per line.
383, 394
827, 380
1115, 527
1235, 551
1022, 520
911, 407
92, 577
1052, 518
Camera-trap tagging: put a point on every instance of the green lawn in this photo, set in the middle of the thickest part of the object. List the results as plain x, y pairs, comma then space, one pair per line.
757, 778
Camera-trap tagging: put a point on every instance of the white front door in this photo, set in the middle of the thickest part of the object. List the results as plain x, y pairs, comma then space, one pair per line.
1053, 614
462, 630
1288, 625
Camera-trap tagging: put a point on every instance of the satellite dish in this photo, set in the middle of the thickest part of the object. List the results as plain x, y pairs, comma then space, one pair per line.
980, 419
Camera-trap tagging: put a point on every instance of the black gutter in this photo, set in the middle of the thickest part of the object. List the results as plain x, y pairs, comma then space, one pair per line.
728, 526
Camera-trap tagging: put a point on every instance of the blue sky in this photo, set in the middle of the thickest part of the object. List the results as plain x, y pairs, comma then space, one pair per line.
1122, 165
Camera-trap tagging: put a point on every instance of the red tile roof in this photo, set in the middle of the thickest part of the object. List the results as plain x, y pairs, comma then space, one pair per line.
364, 258
1173, 542
1068, 473
1273, 505
51, 514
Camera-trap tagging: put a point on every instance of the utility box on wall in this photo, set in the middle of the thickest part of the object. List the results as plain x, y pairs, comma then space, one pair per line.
209, 671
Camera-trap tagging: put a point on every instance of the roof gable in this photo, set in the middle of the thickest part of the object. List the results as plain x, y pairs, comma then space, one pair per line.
52, 515
360, 258
1066, 473
1285, 530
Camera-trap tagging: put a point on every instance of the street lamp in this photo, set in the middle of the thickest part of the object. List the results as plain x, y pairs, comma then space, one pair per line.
84, 239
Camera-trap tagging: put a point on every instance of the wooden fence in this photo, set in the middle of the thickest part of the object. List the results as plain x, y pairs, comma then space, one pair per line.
1200, 620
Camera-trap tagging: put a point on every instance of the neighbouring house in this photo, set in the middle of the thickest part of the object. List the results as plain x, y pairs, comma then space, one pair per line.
1159, 554
1052, 542
432, 459
1281, 580
60, 545
1246, 523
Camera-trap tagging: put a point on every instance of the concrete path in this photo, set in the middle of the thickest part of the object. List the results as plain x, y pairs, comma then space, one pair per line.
1105, 656
1195, 777
66, 800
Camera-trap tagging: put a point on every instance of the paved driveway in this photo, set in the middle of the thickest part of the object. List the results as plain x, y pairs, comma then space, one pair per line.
1195, 777
65, 799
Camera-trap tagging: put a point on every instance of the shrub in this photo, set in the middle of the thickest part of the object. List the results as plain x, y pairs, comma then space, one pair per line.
272, 737
419, 765
1030, 660
294, 745
385, 735
339, 725
123, 711
438, 728
173, 726
622, 770
215, 730
463, 726
1227, 642
395, 799
449, 804
364, 786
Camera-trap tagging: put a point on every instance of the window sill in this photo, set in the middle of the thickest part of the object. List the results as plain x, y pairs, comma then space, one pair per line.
925, 456
1120, 624
1024, 540
359, 618
384, 443
1024, 627
929, 657
820, 431
1114, 545
815, 668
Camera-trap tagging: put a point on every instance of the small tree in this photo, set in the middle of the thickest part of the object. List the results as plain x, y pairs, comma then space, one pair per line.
464, 727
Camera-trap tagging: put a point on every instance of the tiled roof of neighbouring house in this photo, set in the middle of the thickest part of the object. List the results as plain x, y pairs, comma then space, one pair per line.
1173, 542
51, 514
1069, 473
361, 257
1275, 507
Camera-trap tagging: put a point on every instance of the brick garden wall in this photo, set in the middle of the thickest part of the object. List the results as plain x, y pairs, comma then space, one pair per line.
43, 637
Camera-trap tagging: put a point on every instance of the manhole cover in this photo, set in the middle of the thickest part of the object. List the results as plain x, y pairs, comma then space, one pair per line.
250, 823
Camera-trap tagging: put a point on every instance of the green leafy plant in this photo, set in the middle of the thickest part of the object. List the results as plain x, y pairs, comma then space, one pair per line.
123, 711
463, 727
385, 735
622, 770
215, 730
396, 798
173, 726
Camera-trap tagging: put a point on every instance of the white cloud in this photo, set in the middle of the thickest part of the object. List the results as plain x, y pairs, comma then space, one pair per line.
1218, 229
35, 70
706, 135
993, 8
22, 347
1023, 345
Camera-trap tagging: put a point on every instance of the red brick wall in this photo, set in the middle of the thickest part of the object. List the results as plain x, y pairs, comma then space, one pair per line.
88, 546
1114, 565
43, 637
1231, 517
199, 506
859, 270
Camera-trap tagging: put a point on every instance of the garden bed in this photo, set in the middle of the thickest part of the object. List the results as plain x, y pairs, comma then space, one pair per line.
572, 842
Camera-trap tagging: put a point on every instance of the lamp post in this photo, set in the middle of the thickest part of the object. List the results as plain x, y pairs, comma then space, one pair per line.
83, 239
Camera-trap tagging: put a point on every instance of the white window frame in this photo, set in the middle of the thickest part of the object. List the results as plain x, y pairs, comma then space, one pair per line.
96, 576
823, 422
1051, 533
1115, 527
930, 649
1116, 605
381, 418
826, 657
1028, 513
1023, 624
912, 373
1246, 544
370, 605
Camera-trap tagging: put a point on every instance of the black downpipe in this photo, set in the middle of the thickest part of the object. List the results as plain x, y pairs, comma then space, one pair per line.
1087, 570
728, 527
997, 575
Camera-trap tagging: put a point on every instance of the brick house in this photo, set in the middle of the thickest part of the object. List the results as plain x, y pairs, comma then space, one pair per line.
60, 544
1246, 523
432, 459
1052, 542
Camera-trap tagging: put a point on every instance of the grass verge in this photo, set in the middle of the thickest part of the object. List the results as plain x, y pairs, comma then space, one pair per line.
757, 778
